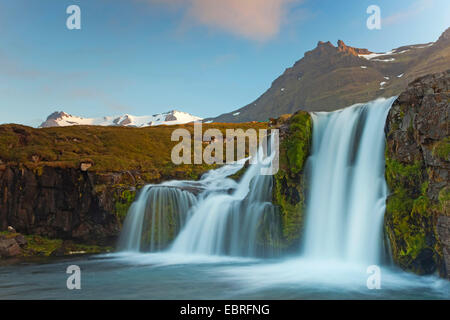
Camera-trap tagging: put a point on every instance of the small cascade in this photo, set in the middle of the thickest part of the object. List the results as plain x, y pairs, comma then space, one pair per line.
225, 218
241, 223
155, 218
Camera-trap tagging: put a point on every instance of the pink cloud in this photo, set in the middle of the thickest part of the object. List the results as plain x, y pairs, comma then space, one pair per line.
253, 19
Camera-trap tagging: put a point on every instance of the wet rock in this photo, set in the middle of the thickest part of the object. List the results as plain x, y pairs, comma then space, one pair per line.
9, 247
21, 240
418, 174
62, 203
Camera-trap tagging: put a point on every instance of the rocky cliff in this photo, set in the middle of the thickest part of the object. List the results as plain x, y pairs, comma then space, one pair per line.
417, 216
65, 203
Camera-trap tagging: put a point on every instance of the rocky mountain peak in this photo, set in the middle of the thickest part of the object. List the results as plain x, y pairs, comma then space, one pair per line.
57, 115
342, 47
331, 77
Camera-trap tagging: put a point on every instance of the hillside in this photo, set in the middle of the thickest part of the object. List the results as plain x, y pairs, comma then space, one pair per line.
331, 77
109, 149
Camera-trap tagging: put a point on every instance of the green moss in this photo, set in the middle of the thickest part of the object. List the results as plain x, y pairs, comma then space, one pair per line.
414, 245
8, 234
398, 173
41, 246
289, 186
444, 200
298, 142
86, 249
122, 201
442, 149
409, 217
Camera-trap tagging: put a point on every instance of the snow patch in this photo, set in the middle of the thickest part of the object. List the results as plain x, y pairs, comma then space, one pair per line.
426, 46
62, 119
370, 56
384, 60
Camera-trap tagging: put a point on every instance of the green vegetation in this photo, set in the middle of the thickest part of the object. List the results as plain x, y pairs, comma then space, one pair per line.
109, 149
45, 247
298, 142
444, 200
42, 246
409, 217
442, 149
289, 184
122, 201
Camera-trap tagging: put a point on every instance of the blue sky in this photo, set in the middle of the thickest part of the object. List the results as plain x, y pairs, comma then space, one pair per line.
205, 57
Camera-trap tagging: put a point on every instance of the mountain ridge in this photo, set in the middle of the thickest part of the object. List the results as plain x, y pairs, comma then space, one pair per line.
331, 77
172, 117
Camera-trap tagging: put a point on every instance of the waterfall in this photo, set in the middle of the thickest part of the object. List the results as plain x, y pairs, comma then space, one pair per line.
225, 218
347, 190
155, 218
243, 223
345, 200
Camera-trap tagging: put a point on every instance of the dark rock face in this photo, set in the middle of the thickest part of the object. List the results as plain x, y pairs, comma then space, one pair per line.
170, 117
417, 217
65, 203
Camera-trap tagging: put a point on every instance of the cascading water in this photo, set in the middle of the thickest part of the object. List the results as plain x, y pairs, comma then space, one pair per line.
155, 218
243, 223
226, 218
347, 189
160, 211
344, 209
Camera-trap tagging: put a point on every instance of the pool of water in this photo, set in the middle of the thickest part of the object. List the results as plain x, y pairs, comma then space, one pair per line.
168, 276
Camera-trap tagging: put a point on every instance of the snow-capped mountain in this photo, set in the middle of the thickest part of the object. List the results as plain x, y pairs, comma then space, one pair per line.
62, 119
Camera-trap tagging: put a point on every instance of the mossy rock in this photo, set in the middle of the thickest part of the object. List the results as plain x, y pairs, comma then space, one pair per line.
289, 181
42, 246
441, 149
122, 202
409, 218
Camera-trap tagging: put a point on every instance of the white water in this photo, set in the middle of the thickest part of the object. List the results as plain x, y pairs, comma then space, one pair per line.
347, 195
167, 206
233, 223
344, 207
158, 212
226, 217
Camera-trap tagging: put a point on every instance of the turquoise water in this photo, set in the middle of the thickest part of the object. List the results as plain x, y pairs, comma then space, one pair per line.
166, 276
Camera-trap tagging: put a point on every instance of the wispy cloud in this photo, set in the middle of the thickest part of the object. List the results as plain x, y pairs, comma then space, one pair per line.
258, 20
11, 67
408, 13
